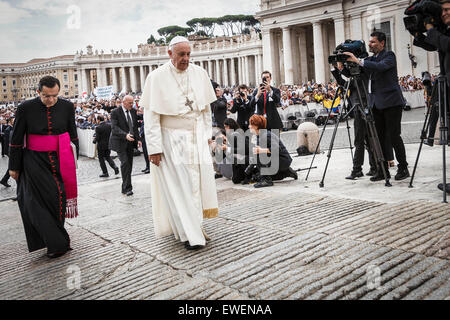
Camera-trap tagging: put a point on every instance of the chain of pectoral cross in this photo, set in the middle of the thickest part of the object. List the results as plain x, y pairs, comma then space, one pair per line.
188, 103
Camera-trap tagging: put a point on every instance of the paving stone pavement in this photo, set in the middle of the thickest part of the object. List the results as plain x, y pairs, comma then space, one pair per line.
348, 240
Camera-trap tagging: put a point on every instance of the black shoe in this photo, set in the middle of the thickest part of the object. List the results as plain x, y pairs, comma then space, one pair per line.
116, 171
293, 174
447, 187
129, 193
192, 248
56, 255
246, 181
354, 175
372, 172
402, 174
146, 171
218, 176
6, 184
264, 183
104, 176
379, 176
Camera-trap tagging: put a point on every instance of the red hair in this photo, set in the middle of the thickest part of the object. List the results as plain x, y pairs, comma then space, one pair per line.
258, 121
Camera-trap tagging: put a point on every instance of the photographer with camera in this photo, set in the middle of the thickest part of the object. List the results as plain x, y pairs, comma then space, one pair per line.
361, 137
273, 145
387, 102
242, 105
437, 38
265, 101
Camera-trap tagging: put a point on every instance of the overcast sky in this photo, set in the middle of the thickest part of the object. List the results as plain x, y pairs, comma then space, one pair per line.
46, 28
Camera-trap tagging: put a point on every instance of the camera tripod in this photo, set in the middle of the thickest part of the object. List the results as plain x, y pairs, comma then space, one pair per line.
441, 88
367, 116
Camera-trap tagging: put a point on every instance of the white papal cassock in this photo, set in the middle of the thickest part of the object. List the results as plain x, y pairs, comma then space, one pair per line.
183, 187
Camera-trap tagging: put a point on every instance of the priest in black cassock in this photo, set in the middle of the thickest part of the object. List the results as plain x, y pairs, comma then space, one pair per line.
43, 163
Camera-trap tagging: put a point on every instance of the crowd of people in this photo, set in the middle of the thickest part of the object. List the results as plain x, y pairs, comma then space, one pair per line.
92, 113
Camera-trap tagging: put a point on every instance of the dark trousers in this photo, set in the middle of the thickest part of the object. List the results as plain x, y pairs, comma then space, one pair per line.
361, 143
144, 149
126, 167
105, 155
389, 128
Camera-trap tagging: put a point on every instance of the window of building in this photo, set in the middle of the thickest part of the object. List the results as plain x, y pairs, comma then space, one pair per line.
4, 83
76, 77
66, 78
14, 83
66, 94
66, 86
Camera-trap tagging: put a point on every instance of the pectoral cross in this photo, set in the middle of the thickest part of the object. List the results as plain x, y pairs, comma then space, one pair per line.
189, 103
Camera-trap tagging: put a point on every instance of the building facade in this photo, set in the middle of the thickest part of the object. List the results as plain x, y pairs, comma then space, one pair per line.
228, 61
19, 81
297, 36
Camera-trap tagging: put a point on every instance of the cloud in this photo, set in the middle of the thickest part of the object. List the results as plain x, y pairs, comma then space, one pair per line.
106, 24
9, 14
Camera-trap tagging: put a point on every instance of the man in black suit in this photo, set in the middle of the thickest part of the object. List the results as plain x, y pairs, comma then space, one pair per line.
4, 137
124, 138
102, 135
265, 101
242, 105
387, 102
7, 135
140, 115
220, 107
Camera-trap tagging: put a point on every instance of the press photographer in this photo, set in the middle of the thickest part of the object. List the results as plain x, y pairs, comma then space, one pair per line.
361, 137
386, 101
268, 144
433, 19
242, 105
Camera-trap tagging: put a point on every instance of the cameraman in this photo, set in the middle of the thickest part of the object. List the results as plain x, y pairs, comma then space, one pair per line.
242, 105
440, 41
386, 101
361, 137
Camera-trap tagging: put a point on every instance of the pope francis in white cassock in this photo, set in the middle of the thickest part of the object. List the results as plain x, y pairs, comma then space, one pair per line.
178, 124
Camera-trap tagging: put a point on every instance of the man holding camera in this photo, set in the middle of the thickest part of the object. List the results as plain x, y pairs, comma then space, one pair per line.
387, 102
265, 101
439, 40
361, 137
242, 105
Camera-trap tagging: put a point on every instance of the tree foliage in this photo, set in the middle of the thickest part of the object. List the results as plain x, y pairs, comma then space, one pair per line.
229, 24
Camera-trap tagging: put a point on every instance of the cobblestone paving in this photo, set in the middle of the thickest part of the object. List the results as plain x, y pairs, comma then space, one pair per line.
266, 245
291, 241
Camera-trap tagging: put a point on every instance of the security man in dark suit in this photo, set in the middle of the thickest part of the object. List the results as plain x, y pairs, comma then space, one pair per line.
265, 101
220, 108
102, 135
4, 137
438, 40
386, 101
124, 139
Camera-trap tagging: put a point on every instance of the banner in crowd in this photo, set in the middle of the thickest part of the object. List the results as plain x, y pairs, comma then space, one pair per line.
104, 93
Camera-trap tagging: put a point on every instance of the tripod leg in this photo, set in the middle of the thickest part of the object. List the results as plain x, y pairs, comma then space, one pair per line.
350, 139
426, 126
333, 138
323, 131
443, 130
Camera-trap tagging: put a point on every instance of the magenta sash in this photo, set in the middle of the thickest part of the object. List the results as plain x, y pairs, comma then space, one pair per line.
60, 144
